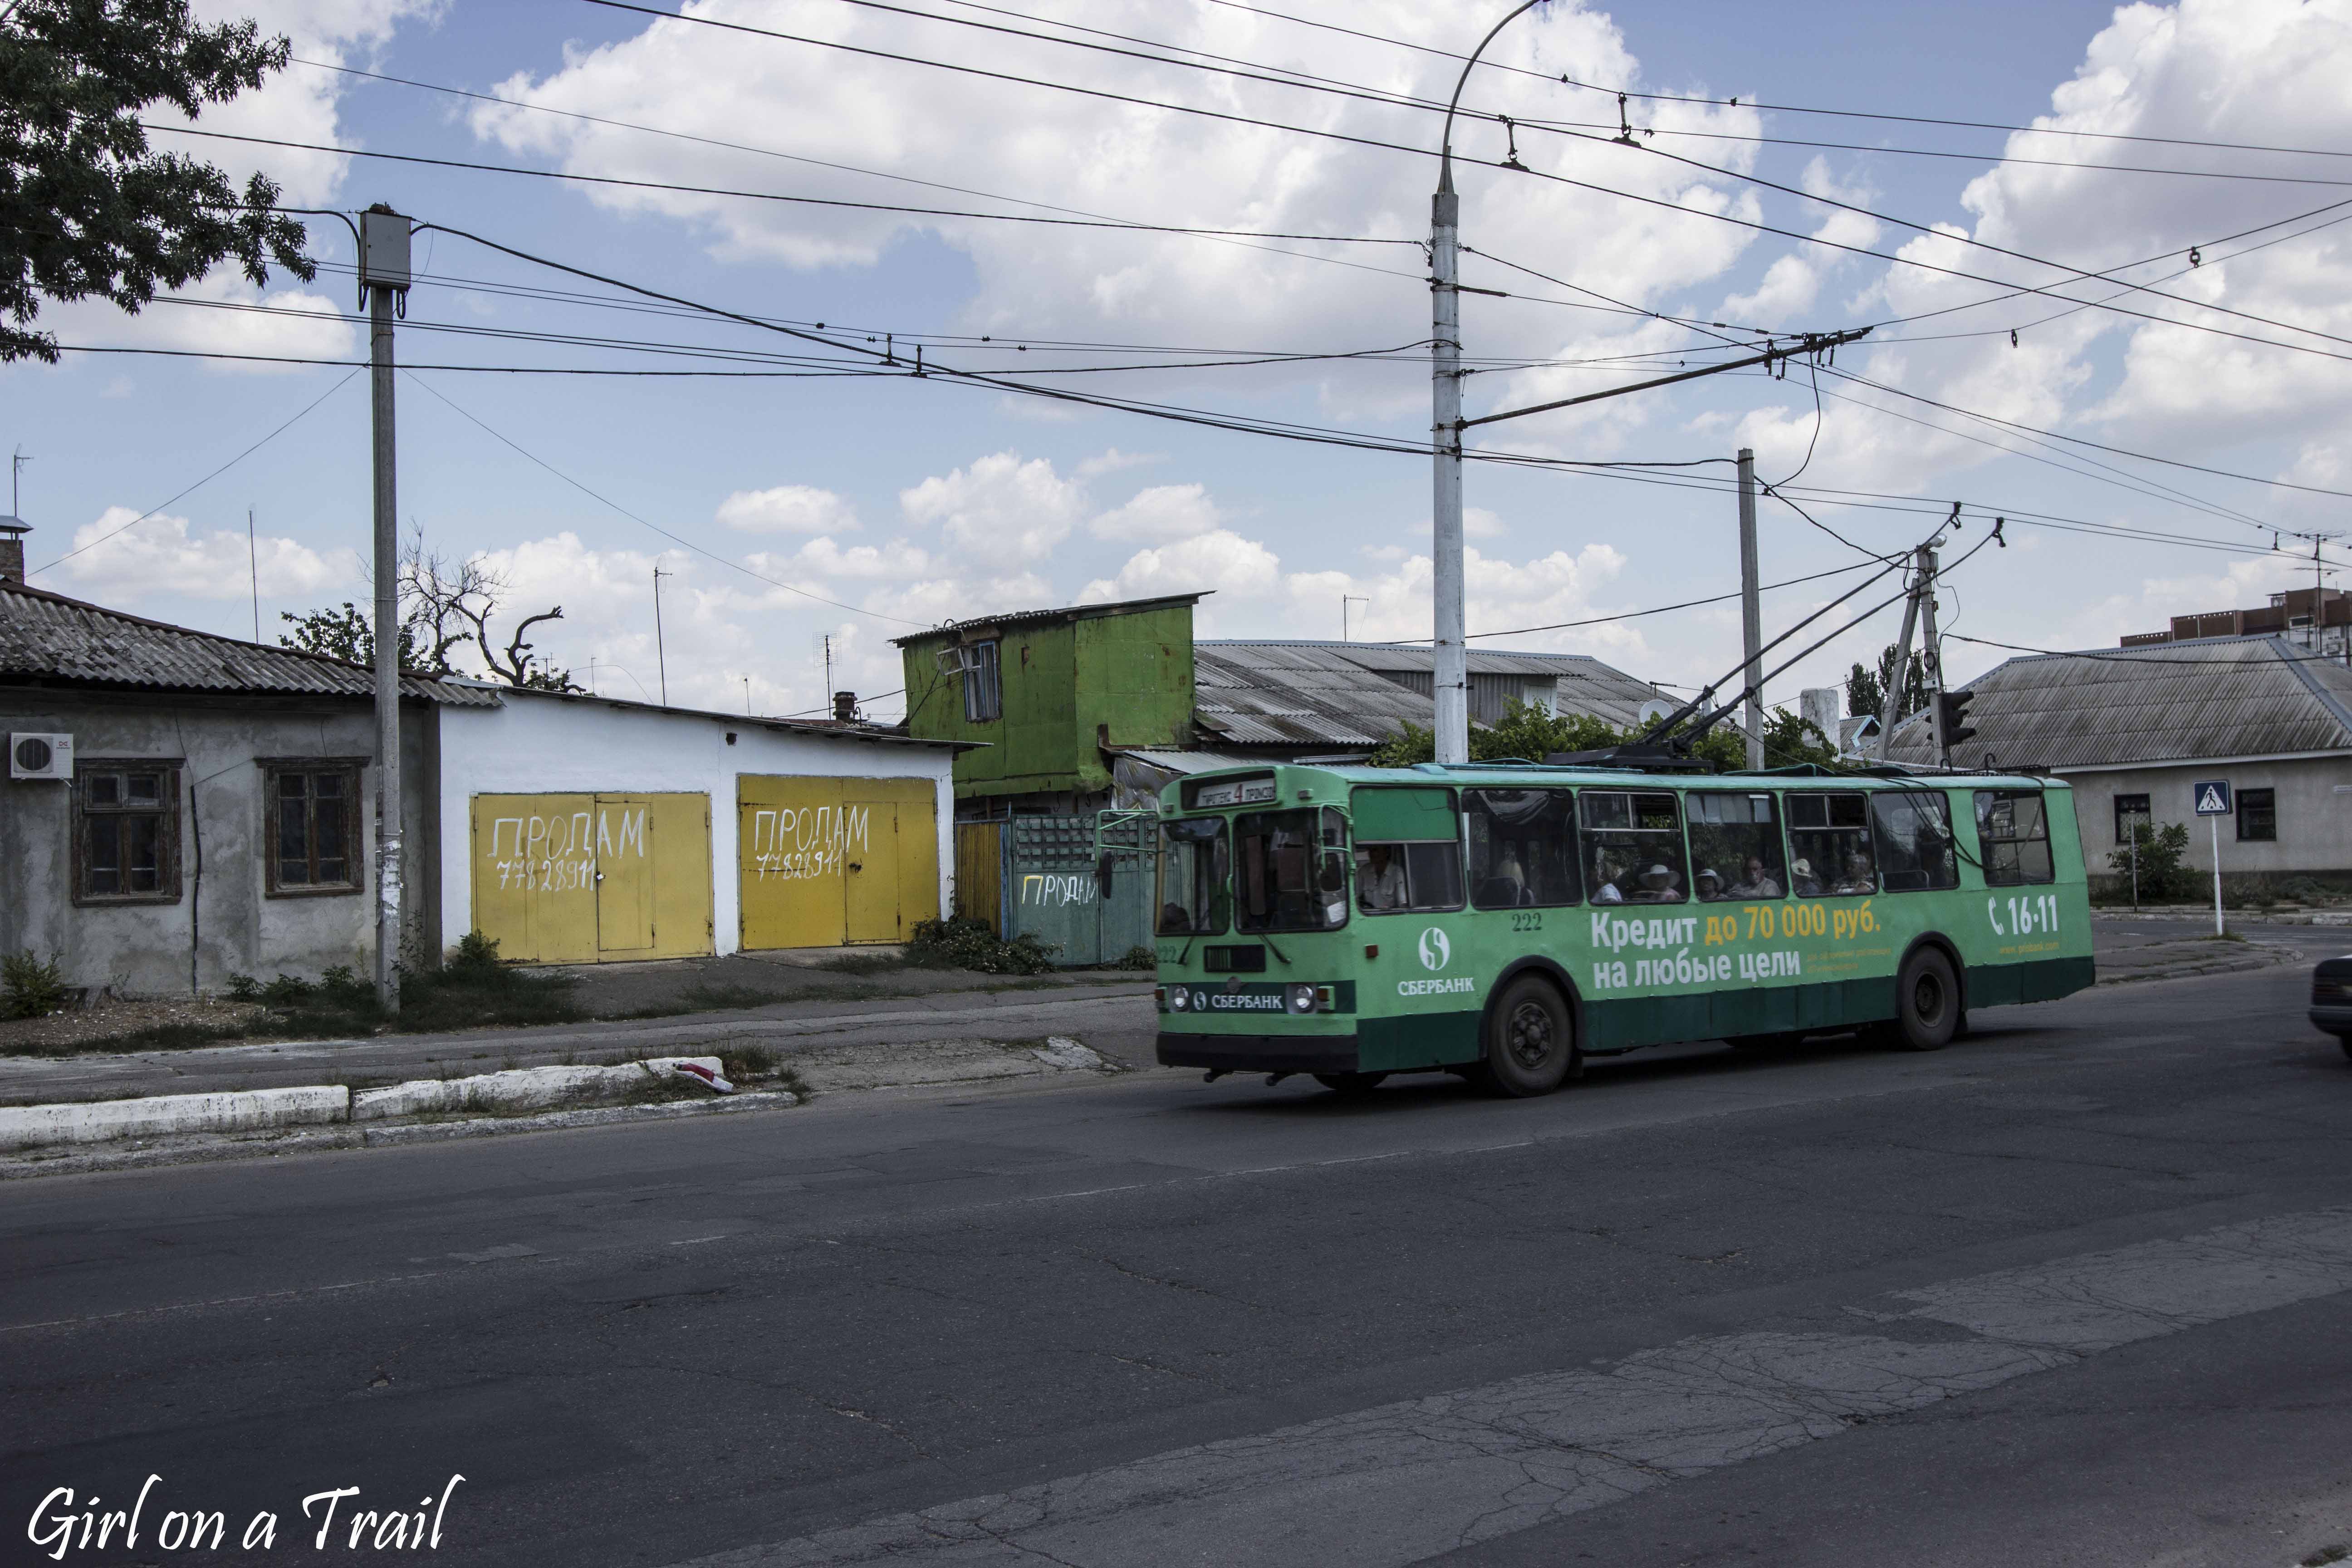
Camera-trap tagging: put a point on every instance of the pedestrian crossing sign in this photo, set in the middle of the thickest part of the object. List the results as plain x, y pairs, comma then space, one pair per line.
2213, 798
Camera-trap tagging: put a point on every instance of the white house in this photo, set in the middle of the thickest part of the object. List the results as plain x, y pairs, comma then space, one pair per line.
578, 829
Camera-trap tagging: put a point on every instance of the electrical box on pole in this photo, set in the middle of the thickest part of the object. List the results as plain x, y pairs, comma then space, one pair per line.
383, 236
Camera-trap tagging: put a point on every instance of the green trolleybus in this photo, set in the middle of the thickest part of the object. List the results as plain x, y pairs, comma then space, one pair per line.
1505, 920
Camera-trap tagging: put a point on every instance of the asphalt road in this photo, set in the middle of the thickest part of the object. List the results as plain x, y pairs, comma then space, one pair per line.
2077, 1289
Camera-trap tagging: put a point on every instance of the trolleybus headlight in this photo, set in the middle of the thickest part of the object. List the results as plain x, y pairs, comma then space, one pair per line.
1179, 999
1302, 998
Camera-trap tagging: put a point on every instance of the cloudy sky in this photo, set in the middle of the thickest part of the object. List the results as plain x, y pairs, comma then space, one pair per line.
792, 501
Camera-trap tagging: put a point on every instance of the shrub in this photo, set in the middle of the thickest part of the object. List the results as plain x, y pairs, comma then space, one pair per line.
1138, 958
2162, 851
965, 943
476, 957
29, 988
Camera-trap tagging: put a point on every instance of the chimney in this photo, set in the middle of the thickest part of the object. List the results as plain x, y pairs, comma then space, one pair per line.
12, 549
844, 705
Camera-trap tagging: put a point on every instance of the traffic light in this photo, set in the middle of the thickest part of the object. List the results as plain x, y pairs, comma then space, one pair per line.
1951, 713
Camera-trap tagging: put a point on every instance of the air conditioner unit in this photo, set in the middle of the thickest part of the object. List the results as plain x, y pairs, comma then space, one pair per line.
40, 756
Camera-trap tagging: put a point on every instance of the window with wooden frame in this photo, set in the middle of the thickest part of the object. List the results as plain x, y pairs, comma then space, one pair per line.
983, 690
311, 837
126, 832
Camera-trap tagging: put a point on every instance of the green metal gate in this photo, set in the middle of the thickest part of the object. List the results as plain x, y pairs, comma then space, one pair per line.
1050, 887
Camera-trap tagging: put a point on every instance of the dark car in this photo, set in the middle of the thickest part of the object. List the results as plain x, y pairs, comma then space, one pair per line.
2331, 999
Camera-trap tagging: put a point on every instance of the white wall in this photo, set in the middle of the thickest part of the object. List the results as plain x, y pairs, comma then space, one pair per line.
541, 743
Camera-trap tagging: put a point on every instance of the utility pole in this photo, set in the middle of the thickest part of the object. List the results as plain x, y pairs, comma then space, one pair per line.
661, 654
16, 475
1890, 705
252, 568
1450, 675
1751, 607
828, 667
384, 274
1931, 655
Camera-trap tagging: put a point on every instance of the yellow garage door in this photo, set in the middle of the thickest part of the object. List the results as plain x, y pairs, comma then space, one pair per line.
585, 879
823, 862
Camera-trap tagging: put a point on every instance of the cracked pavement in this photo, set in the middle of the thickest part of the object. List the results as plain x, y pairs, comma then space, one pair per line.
2072, 1290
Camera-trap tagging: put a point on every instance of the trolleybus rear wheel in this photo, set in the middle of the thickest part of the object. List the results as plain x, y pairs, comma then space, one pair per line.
1928, 1001
1351, 1083
1530, 1044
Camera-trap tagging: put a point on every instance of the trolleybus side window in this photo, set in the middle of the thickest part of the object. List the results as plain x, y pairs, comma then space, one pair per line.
1290, 870
1914, 830
1194, 866
1522, 848
1633, 845
1408, 849
1735, 842
2013, 836
1830, 852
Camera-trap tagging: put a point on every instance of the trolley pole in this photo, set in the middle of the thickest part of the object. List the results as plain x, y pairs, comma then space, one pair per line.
384, 274
1751, 607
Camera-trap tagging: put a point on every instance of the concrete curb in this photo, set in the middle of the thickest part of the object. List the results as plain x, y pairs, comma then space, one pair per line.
524, 1089
211, 1147
164, 1115
2257, 955
263, 1110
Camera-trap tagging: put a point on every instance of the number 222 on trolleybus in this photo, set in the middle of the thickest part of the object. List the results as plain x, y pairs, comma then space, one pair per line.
1505, 920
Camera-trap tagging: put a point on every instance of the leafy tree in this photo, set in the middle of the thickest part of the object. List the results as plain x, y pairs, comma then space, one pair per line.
1865, 689
1533, 734
85, 207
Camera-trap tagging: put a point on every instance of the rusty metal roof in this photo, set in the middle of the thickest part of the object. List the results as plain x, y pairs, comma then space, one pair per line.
49, 637
1035, 617
2218, 697
1295, 693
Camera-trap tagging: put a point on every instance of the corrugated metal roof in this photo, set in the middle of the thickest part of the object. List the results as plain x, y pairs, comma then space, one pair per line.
48, 637
1067, 613
1293, 693
2220, 697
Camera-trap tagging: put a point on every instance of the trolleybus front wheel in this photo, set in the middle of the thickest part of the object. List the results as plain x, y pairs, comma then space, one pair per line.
1530, 1044
1928, 1001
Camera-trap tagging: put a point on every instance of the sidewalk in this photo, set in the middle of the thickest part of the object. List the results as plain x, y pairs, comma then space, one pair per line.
1101, 1009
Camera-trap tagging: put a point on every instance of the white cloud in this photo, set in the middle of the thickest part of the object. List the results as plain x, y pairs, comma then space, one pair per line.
788, 509
161, 558
1000, 505
823, 558
1161, 512
1221, 562
1151, 164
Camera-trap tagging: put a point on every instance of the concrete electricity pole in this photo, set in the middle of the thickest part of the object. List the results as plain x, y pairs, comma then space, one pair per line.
1451, 676
384, 274
1931, 657
1751, 607
1890, 704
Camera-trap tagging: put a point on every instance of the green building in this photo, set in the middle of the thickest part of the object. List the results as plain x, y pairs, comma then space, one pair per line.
1082, 708
1053, 695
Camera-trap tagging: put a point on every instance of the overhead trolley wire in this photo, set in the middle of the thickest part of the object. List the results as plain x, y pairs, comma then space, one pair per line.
675, 538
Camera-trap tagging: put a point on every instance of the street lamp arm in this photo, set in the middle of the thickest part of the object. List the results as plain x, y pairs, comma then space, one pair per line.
1446, 140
